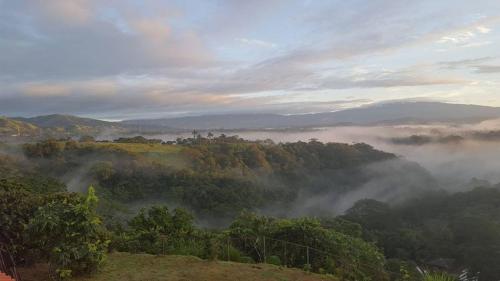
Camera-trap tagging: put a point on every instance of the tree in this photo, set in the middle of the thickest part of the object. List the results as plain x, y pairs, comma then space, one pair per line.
348, 257
69, 235
156, 230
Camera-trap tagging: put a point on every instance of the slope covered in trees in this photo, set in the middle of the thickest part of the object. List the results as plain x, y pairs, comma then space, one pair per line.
216, 178
451, 231
10, 127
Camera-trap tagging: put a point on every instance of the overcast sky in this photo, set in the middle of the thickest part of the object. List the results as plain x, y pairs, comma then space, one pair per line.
119, 59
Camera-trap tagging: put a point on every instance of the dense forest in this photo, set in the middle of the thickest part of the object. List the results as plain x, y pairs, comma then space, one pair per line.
231, 199
215, 178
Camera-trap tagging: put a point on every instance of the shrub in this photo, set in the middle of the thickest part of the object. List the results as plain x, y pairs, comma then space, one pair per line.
230, 253
69, 235
273, 260
246, 259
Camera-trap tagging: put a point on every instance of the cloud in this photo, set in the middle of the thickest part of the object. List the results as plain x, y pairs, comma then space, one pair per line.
256, 43
91, 46
487, 68
67, 12
458, 38
478, 65
465, 38
121, 57
388, 79
483, 29
465, 62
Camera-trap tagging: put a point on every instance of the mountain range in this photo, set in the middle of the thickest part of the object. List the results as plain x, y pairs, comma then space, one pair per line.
385, 113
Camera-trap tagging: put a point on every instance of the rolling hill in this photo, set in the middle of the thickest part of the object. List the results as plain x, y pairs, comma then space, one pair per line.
64, 121
60, 125
10, 127
385, 113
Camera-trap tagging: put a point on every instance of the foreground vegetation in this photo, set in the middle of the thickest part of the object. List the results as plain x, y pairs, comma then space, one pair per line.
217, 179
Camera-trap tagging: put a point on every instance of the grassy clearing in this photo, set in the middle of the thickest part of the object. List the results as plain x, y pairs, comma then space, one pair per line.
161, 153
142, 148
141, 267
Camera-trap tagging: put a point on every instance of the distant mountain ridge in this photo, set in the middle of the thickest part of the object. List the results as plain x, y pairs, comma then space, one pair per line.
63, 121
54, 125
386, 113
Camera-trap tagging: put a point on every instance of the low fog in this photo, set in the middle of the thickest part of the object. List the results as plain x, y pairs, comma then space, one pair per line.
456, 166
453, 166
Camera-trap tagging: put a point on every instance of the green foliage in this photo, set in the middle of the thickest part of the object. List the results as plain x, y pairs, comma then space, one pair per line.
438, 277
17, 206
343, 226
346, 256
462, 227
68, 234
230, 253
216, 177
246, 259
46, 149
220, 177
273, 260
138, 139
20, 196
400, 270
157, 231
10, 127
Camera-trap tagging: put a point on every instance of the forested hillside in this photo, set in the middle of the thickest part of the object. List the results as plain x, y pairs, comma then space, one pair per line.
10, 127
244, 201
445, 230
218, 177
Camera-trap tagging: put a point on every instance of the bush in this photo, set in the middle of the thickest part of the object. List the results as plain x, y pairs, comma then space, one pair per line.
273, 260
234, 254
246, 259
69, 235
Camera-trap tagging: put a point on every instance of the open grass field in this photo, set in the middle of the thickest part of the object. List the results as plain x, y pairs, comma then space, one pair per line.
141, 147
161, 153
142, 267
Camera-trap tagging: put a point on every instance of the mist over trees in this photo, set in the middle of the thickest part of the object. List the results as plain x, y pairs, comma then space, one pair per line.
218, 177
222, 197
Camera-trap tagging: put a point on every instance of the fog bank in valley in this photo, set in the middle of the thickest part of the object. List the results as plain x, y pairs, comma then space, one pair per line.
453, 164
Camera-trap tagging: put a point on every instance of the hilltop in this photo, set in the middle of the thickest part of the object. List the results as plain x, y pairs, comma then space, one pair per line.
64, 121
59, 125
383, 113
11, 127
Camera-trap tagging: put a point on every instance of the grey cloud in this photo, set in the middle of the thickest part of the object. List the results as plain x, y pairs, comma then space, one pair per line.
51, 55
54, 49
487, 68
387, 80
478, 65
111, 98
464, 63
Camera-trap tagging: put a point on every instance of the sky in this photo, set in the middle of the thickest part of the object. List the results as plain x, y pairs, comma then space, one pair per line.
124, 59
